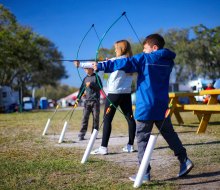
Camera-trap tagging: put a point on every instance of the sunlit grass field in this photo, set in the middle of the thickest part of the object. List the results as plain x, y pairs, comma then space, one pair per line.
30, 161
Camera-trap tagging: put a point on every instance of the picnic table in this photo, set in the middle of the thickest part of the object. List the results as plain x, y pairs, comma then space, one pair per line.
177, 107
203, 111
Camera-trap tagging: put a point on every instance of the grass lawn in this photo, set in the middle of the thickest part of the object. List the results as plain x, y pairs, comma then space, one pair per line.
30, 161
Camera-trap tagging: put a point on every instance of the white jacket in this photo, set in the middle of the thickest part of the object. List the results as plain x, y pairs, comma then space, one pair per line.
118, 82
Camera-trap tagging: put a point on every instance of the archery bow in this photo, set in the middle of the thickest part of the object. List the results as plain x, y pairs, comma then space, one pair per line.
97, 51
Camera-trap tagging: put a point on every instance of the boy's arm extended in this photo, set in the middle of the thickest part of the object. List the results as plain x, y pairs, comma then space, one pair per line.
129, 65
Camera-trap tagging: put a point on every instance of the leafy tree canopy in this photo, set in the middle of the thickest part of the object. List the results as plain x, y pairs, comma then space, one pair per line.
27, 59
197, 51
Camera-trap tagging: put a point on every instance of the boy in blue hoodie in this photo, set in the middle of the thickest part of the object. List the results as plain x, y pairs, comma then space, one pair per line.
153, 66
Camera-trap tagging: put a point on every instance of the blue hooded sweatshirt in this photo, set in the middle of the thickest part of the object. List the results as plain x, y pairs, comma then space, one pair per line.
153, 81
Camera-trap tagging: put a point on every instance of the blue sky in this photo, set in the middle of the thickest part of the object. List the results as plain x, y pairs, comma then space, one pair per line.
65, 22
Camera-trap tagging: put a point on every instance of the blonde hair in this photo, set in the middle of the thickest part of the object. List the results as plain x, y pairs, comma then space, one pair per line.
125, 47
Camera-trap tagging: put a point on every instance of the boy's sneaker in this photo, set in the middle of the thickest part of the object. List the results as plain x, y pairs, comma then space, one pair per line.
185, 168
101, 150
128, 148
146, 178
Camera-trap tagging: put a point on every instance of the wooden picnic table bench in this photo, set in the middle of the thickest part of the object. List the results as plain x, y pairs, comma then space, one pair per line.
177, 107
203, 111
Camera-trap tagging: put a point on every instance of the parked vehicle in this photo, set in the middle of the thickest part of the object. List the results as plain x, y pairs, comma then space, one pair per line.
51, 103
9, 99
28, 104
217, 86
198, 85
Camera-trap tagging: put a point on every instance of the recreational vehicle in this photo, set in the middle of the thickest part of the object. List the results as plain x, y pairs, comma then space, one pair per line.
9, 99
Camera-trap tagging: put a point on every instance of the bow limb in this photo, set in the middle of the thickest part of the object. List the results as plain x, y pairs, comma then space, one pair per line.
97, 51
77, 54
96, 59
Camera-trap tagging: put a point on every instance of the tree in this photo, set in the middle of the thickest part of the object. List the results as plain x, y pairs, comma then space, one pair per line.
56, 93
206, 44
27, 59
198, 56
178, 41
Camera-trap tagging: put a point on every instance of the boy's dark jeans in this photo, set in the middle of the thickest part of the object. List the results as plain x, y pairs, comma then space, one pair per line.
143, 132
90, 107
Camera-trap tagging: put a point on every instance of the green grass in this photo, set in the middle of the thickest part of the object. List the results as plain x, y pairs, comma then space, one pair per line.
58, 169
29, 161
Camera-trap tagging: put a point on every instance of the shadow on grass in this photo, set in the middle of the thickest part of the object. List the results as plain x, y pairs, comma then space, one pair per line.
202, 182
207, 174
115, 153
119, 136
195, 144
202, 175
196, 124
186, 132
214, 122
68, 142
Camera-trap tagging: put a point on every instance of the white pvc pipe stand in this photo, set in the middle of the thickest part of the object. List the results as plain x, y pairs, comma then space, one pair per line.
89, 146
63, 132
46, 127
145, 161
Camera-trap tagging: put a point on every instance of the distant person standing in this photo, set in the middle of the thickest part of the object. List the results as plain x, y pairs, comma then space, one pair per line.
90, 89
207, 97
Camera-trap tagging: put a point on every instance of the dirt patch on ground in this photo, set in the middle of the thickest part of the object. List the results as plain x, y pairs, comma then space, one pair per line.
165, 167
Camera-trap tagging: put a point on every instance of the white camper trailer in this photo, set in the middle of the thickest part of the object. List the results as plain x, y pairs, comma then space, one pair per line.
198, 85
9, 99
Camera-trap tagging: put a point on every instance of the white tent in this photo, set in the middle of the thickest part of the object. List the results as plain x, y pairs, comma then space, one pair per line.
70, 99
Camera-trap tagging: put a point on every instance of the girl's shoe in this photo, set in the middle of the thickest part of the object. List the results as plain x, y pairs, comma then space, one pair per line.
101, 150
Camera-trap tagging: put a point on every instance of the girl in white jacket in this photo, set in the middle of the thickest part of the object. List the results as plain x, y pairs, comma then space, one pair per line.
119, 94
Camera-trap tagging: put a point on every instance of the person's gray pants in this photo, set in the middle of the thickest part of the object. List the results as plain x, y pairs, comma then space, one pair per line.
143, 131
90, 107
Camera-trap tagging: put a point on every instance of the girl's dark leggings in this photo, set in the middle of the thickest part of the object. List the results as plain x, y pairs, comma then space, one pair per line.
124, 101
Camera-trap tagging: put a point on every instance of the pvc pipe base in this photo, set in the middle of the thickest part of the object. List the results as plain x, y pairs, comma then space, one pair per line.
63, 132
46, 127
90, 145
145, 161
